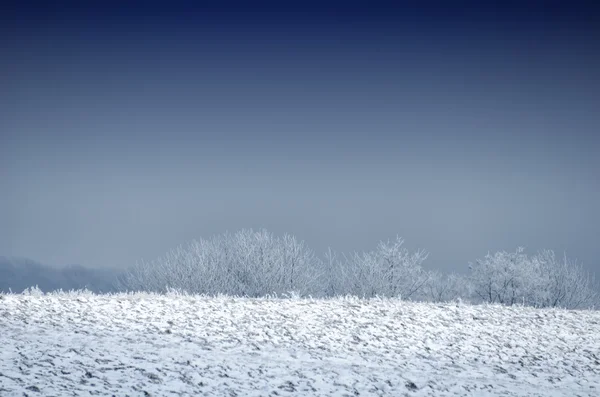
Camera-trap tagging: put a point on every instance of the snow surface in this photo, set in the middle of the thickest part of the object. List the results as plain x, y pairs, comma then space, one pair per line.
163, 345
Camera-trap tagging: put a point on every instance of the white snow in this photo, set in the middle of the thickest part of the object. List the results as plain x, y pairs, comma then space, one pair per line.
163, 345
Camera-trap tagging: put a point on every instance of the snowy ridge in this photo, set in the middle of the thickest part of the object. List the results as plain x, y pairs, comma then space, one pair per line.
177, 345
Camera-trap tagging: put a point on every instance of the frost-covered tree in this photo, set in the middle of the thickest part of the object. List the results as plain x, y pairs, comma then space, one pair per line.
541, 280
249, 263
499, 278
257, 263
334, 274
246, 263
447, 287
391, 270
565, 283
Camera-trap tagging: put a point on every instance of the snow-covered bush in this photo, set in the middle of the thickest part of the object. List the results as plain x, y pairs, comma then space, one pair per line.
566, 283
391, 270
447, 287
335, 277
250, 263
257, 263
541, 280
246, 263
501, 277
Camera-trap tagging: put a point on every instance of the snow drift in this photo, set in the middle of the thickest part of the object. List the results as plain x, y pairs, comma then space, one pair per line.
145, 344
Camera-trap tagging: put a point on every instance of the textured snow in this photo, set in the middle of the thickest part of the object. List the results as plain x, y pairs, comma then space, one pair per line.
163, 345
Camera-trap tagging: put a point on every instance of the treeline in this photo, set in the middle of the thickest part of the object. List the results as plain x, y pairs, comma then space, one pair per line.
257, 263
17, 275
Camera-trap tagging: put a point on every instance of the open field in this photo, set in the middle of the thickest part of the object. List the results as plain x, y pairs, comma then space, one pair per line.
177, 345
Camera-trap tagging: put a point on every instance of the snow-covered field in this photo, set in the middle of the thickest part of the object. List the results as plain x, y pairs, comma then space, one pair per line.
174, 345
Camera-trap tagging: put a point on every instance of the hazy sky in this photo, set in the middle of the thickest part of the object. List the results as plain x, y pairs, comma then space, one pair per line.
126, 132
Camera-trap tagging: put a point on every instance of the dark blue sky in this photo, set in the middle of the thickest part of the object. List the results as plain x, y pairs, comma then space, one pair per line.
126, 131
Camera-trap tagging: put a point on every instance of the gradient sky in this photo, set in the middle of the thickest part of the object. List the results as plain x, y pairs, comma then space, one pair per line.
125, 132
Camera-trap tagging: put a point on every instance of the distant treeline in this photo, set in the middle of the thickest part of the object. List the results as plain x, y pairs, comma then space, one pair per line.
18, 274
258, 263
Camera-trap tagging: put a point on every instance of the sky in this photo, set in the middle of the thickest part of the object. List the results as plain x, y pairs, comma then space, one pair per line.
128, 130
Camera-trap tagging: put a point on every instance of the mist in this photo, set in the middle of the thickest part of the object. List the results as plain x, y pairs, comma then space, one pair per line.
124, 134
